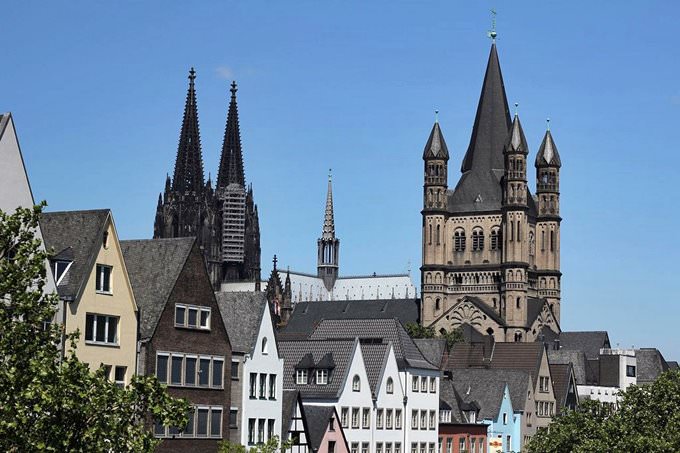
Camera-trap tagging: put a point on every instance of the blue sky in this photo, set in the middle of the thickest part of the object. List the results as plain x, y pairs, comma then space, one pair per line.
97, 91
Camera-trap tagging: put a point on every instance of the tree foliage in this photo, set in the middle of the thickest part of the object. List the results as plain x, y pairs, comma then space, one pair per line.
648, 419
271, 446
452, 337
54, 403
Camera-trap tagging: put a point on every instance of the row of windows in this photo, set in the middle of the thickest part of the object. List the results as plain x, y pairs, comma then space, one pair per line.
418, 382
384, 419
192, 317
478, 239
265, 391
204, 421
424, 419
388, 447
190, 370
364, 413
423, 447
474, 445
545, 408
260, 430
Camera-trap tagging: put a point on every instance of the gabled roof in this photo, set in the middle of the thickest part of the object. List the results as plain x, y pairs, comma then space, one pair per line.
318, 419
578, 361
152, 283
433, 349
375, 359
504, 356
375, 331
293, 351
650, 364
449, 400
288, 402
547, 153
242, 314
436, 148
477, 302
588, 342
82, 232
485, 387
307, 315
561, 375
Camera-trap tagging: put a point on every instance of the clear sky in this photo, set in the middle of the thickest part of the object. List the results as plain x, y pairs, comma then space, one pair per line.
97, 91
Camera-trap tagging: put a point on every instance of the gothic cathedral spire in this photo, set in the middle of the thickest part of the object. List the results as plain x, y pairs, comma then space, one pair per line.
188, 177
328, 245
231, 161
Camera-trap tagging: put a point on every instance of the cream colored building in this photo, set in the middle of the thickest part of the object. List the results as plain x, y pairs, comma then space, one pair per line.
93, 284
491, 249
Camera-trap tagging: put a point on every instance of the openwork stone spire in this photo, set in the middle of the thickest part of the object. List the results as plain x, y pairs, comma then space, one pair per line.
328, 221
188, 175
231, 161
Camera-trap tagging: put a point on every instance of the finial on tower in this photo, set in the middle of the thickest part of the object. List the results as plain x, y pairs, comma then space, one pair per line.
330, 174
492, 33
233, 89
192, 75
436, 116
547, 124
516, 108
275, 260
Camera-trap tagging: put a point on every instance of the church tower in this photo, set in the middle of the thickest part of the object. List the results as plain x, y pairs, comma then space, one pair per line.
328, 246
515, 250
224, 219
548, 165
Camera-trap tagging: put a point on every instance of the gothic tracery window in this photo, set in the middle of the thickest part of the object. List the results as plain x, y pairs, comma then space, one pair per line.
495, 238
459, 240
477, 240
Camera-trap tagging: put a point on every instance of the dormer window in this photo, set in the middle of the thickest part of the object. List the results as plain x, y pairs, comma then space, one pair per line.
301, 377
322, 377
471, 416
60, 268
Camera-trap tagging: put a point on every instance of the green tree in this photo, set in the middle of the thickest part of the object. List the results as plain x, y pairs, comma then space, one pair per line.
54, 403
648, 419
452, 337
271, 446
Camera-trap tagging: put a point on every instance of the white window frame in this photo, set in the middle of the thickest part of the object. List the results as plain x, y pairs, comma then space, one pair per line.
397, 419
389, 387
300, 377
199, 311
356, 383
99, 279
184, 356
322, 376
93, 341
194, 423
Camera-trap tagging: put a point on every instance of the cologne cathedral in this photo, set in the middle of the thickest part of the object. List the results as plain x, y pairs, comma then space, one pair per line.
224, 218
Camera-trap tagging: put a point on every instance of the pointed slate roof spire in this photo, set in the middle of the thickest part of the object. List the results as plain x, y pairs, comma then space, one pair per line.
436, 146
516, 142
547, 153
492, 121
188, 175
231, 161
328, 220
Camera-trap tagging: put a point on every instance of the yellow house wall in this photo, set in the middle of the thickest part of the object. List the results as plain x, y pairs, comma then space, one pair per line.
119, 303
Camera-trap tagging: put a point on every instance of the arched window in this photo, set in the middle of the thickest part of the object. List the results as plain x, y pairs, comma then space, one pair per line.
264, 345
356, 383
437, 304
459, 240
495, 238
512, 230
543, 240
430, 230
389, 388
438, 231
477, 240
519, 231
518, 337
519, 301
552, 241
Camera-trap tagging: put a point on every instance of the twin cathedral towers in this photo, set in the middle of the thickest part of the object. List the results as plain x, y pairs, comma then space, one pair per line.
490, 248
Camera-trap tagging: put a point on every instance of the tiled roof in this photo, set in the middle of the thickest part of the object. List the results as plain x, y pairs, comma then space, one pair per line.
375, 358
504, 356
318, 418
293, 351
82, 232
152, 283
448, 399
588, 342
576, 358
485, 387
560, 374
307, 315
375, 330
433, 349
288, 402
650, 364
242, 314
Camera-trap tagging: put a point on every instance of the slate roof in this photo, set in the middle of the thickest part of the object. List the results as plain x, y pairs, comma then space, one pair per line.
82, 232
560, 374
547, 153
288, 402
293, 351
578, 361
433, 349
672, 364
154, 265
307, 315
242, 315
485, 387
588, 342
375, 330
318, 418
504, 356
375, 358
650, 364
449, 400
436, 146
534, 308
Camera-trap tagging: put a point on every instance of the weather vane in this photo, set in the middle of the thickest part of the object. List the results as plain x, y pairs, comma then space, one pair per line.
492, 33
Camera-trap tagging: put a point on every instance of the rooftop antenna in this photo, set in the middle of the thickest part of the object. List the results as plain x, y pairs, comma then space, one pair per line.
492, 33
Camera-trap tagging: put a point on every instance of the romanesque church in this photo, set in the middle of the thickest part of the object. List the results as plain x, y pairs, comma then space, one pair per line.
491, 248
224, 218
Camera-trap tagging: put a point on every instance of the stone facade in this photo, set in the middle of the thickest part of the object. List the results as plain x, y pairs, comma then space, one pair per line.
490, 247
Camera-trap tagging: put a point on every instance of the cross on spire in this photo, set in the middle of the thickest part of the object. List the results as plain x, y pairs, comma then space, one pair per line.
275, 260
492, 33
192, 74
233, 89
